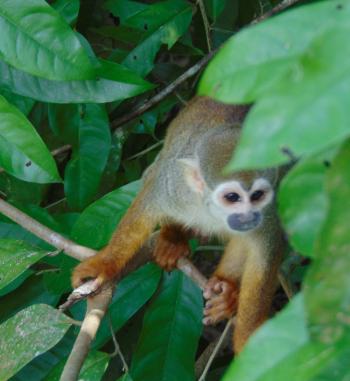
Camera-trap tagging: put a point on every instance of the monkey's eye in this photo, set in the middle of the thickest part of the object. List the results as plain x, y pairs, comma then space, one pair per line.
232, 197
257, 195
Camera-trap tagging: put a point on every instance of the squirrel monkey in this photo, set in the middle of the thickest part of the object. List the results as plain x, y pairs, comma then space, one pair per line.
185, 189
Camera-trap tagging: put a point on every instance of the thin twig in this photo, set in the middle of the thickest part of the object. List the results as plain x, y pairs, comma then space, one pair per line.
60, 150
205, 24
216, 349
277, 9
148, 149
117, 350
286, 284
164, 93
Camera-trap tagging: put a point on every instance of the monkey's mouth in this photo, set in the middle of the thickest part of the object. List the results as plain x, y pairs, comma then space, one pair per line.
243, 222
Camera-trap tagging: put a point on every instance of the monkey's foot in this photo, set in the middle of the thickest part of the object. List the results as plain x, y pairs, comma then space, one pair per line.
99, 268
221, 297
167, 253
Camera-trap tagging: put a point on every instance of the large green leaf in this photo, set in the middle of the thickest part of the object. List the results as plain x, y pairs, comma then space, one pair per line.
84, 171
31, 291
296, 70
285, 334
22, 152
15, 257
171, 329
42, 365
125, 84
302, 201
282, 349
36, 39
96, 224
327, 287
165, 23
92, 369
28, 334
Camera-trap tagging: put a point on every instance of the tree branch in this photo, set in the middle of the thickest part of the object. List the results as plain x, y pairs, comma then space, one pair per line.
164, 93
192, 71
53, 238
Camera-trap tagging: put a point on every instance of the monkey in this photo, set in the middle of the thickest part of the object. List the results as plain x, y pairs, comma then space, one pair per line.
186, 189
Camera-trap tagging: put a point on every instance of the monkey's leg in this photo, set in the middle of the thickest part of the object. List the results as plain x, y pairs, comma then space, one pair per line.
133, 230
222, 289
258, 286
172, 244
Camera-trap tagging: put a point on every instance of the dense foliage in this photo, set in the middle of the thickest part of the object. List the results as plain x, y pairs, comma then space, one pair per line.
68, 71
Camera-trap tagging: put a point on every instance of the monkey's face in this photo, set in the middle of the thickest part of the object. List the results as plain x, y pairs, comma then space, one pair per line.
241, 208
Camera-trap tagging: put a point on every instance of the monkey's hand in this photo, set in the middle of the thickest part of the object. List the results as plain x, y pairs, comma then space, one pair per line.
169, 249
221, 297
100, 267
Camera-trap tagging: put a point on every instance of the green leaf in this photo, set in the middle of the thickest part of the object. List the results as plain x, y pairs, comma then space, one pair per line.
302, 201
29, 333
41, 366
171, 329
31, 291
96, 224
15, 257
83, 172
277, 339
295, 68
270, 52
68, 9
37, 40
23, 103
167, 22
92, 369
89, 91
132, 293
124, 9
22, 152
327, 288
215, 8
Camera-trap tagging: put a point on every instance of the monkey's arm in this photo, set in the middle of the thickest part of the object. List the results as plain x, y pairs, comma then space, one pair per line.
133, 230
172, 244
258, 285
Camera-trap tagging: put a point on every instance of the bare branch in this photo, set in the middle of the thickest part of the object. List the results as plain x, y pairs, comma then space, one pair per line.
55, 239
164, 93
96, 309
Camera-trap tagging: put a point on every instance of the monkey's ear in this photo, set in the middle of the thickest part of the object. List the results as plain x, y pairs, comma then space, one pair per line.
193, 175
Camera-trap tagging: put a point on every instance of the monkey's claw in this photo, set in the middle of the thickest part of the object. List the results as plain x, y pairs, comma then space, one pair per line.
221, 297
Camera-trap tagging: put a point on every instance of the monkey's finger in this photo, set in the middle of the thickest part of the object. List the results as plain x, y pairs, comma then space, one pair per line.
217, 317
227, 302
215, 314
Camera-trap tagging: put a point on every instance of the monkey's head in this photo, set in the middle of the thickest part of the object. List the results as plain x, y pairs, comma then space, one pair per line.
238, 201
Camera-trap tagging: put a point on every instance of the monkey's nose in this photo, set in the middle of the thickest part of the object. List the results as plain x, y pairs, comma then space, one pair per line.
244, 221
